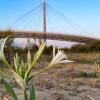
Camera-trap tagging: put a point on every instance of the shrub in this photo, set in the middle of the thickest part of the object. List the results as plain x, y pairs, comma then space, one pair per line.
93, 46
88, 74
48, 50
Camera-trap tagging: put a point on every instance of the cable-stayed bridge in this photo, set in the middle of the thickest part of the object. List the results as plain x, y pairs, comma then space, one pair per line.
45, 22
49, 35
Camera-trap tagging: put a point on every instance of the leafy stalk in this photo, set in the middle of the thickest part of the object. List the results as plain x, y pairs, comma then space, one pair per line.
32, 93
36, 57
23, 71
9, 89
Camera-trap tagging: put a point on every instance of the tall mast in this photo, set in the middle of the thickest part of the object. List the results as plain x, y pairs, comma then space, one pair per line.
44, 19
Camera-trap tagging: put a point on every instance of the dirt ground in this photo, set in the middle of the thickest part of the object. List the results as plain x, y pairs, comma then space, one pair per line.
64, 82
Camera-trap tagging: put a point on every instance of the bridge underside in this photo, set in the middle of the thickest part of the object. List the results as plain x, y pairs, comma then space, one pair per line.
47, 35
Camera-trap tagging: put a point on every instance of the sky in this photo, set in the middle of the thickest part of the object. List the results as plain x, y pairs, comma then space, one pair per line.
85, 13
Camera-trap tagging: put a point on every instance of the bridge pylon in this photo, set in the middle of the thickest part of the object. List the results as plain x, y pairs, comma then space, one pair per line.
44, 18
44, 22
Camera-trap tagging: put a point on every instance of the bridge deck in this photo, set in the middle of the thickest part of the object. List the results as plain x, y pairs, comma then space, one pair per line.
48, 35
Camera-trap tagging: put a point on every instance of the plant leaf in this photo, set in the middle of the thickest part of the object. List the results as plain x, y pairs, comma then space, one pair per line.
2, 56
20, 71
0, 96
32, 93
2, 44
30, 78
3, 74
29, 60
9, 89
36, 57
17, 62
23, 68
60, 57
19, 80
38, 53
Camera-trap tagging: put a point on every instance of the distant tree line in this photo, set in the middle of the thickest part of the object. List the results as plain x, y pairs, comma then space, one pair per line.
10, 49
93, 46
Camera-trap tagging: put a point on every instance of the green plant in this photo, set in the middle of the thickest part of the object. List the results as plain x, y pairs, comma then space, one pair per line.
88, 74
22, 71
97, 65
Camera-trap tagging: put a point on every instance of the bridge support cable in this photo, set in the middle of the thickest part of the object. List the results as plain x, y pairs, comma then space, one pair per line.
29, 20
66, 23
35, 23
58, 22
49, 22
58, 27
26, 14
26, 19
62, 24
77, 29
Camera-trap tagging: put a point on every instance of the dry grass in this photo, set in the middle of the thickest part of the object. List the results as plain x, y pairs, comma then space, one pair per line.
84, 57
85, 62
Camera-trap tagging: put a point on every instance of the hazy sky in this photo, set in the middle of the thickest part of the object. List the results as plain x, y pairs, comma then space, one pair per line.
86, 13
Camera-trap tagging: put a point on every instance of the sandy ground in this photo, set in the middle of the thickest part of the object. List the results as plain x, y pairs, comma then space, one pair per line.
64, 83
